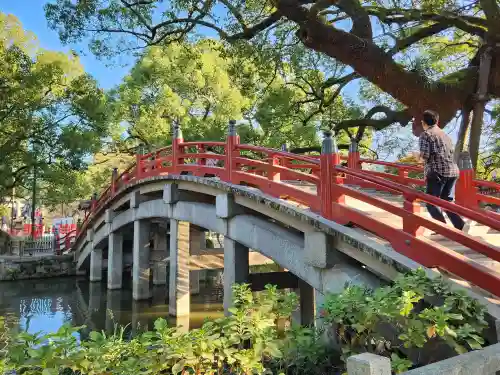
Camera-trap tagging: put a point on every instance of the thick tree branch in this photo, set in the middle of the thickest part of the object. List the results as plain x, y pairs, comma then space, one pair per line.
471, 25
491, 10
250, 32
417, 36
391, 117
191, 21
361, 25
236, 14
139, 16
332, 81
143, 2
142, 36
372, 63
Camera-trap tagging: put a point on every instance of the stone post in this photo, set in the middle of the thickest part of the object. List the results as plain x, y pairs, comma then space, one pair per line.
236, 269
179, 286
96, 265
115, 260
368, 364
141, 270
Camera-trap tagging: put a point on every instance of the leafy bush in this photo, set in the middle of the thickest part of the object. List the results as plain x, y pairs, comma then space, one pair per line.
254, 340
247, 342
358, 315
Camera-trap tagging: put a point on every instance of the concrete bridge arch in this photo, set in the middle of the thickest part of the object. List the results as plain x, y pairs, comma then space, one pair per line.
321, 253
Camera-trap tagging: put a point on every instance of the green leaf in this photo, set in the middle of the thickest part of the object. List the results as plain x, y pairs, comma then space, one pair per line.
178, 367
473, 344
450, 332
273, 350
95, 336
160, 324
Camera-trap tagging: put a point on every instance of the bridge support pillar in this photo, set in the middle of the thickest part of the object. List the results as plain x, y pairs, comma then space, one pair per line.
95, 299
179, 286
141, 271
196, 243
159, 258
307, 304
160, 273
139, 323
96, 265
115, 260
236, 269
113, 308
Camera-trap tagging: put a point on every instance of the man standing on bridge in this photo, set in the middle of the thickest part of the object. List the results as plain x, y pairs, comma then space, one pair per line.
441, 171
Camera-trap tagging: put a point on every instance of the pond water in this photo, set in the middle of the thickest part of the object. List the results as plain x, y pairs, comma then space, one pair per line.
45, 305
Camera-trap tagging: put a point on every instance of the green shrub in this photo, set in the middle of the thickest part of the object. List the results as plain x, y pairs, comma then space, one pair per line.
359, 313
253, 339
247, 342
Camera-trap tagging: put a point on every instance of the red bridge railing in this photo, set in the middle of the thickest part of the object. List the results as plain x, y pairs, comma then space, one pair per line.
270, 169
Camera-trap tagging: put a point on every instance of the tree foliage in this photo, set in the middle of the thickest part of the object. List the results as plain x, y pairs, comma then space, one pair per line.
424, 54
201, 85
52, 114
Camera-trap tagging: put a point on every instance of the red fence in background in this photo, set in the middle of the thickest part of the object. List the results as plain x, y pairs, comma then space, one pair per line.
267, 169
40, 230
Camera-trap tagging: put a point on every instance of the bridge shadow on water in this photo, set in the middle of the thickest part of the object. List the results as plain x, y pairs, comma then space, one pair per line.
45, 305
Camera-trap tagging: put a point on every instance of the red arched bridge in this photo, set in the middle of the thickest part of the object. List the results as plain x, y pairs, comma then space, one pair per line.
385, 206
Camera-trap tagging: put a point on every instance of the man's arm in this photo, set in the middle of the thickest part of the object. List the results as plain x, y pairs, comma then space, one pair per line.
425, 147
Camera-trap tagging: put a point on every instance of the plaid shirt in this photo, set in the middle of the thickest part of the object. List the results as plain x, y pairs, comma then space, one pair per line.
436, 148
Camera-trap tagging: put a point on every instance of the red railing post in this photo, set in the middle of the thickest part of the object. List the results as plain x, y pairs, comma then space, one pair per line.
138, 162
231, 143
284, 161
93, 202
402, 176
176, 149
412, 206
114, 177
201, 150
271, 174
465, 191
329, 177
353, 160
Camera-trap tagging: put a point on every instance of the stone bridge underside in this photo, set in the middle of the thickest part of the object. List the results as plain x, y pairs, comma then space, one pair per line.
322, 254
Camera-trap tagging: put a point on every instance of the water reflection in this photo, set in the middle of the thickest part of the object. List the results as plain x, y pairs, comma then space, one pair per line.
45, 305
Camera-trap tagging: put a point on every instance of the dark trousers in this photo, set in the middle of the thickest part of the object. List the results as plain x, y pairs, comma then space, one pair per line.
442, 187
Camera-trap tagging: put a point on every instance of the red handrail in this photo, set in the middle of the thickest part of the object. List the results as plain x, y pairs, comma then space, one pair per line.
415, 194
202, 143
405, 166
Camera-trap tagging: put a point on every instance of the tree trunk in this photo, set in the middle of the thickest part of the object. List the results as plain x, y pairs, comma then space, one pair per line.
462, 132
481, 98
